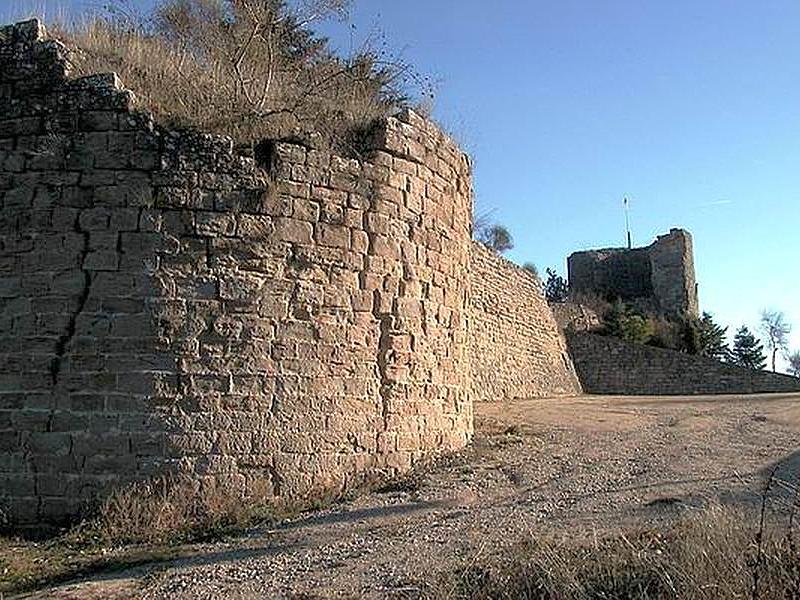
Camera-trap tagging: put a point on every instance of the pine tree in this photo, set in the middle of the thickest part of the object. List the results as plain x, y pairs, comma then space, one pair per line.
556, 288
747, 351
622, 322
712, 338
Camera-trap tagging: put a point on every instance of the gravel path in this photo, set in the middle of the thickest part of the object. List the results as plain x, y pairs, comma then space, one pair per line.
578, 465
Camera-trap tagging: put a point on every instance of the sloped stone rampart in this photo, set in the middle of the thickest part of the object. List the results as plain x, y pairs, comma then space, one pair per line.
515, 348
608, 365
167, 304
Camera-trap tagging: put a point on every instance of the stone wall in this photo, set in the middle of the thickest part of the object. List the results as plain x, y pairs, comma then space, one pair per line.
167, 304
659, 277
515, 347
574, 316
608, 365
674, 284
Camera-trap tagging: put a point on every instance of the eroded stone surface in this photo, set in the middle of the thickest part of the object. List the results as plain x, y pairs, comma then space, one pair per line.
166, 303
658, 278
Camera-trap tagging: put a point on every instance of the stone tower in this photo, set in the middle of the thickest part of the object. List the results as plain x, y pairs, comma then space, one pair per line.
659, 277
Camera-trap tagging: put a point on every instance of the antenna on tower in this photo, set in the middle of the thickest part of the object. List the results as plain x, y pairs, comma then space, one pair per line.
627, 221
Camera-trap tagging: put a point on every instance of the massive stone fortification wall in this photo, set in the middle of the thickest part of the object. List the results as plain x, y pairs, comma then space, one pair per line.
515, 347
169, 304
608, 365
659, 277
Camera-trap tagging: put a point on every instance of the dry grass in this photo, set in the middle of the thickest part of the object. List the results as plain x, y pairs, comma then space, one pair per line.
249, 69
711, 555
168, 510
144, 522
150, 522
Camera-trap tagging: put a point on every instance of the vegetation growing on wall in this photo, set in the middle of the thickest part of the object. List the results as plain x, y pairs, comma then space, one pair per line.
250, 69
690, 335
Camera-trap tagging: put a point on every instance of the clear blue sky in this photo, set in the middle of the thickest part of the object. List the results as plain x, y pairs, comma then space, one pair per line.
691, 109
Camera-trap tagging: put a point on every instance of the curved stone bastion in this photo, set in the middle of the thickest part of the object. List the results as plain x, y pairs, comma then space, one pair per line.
167, 304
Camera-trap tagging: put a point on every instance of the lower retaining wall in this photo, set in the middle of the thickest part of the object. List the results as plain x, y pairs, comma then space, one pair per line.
607, 365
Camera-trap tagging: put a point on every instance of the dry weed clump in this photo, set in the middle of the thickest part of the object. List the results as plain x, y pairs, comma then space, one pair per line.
250, 69
716, 554
145, 522
170, 510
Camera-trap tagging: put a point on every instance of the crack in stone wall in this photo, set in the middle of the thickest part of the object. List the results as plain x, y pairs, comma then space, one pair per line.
66, 338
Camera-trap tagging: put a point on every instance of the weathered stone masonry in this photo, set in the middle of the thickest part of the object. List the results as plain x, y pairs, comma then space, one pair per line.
607, 365
168, 303
516, 350
659, 277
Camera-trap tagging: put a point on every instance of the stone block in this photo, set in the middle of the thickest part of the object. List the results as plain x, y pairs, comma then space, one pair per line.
96, 120
10, 287
384, 246
57, 510
51, 484
337, 236
293, 230
110, 464
15, 485
101, 260
23, 511
211, 223
239, 286
255, 227
66, 421
52, 443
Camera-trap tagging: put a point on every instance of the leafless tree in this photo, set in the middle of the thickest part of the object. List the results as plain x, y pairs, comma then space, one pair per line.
794, 363
776, 333
494, 236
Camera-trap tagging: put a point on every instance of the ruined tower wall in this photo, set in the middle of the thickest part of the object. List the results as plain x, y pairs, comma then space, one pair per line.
611, 272
659, 277
169, 304
515, 348
672, 260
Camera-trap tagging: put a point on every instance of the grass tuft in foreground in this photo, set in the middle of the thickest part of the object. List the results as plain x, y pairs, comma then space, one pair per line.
145, 522
715, 554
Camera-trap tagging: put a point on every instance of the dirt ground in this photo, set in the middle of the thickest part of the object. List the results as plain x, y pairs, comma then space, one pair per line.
576, 466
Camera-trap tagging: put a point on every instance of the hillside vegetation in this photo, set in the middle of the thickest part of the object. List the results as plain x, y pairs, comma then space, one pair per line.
250, 69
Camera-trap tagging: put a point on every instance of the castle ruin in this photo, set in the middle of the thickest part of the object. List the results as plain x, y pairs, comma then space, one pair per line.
293, 317
658, 278
284, 318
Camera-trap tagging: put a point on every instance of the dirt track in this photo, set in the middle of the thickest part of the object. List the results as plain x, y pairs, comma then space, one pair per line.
579, 465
